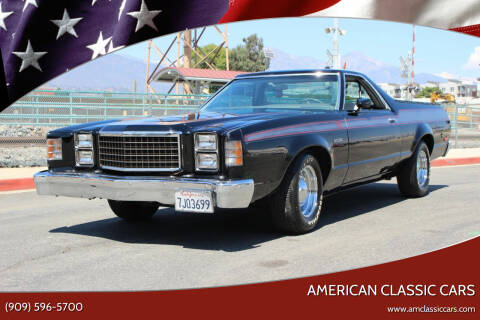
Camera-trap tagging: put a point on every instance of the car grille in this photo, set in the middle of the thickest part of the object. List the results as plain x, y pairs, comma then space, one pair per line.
152, 152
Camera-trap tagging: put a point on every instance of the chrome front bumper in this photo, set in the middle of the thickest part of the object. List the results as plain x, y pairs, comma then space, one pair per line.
226, 193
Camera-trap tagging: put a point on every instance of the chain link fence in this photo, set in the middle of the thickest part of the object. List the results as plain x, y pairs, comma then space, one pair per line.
60, 108
465, 122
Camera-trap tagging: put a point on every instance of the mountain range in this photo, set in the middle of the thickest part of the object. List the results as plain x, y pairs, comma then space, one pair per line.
119, 72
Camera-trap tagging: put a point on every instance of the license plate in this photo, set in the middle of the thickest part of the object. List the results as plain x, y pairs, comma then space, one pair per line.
193, 201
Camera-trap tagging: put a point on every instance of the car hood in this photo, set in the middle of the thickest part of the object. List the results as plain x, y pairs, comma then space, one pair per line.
191, 122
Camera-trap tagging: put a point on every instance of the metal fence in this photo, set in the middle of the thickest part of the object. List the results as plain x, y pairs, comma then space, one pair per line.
465, 122
59, 108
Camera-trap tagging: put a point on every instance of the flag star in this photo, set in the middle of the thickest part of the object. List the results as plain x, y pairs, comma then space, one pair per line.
66, 25
98, 48
122, 7
111, 48
29, 57
144, 17
94, 1
3, 16
32, 2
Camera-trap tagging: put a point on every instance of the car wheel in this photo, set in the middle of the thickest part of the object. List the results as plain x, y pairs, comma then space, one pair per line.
295, 207
414, 176
133, 210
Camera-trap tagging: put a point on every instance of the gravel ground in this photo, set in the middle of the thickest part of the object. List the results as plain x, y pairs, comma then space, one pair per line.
23, 157
23, 131
28, 156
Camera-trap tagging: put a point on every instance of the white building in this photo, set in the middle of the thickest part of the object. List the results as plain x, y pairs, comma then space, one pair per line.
430, 84
393, 89
459, 88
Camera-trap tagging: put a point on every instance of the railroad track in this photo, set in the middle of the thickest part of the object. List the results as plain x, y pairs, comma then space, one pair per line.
8, 142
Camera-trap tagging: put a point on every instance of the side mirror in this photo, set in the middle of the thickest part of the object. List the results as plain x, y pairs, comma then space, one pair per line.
364, 103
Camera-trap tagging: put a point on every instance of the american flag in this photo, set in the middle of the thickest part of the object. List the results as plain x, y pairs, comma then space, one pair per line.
41, 39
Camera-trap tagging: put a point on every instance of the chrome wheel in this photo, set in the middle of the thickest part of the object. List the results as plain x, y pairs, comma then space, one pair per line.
307, 191
422, 169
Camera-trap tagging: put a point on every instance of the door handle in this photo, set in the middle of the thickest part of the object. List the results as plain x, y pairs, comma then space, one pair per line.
392, 120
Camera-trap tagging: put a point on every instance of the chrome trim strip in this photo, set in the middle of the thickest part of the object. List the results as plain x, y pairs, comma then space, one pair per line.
138, 133
227, 193
138, 169
290, 74
142, 134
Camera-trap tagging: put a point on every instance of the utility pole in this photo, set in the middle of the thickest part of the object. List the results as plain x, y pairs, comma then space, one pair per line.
335, 60
406, 65
187, 56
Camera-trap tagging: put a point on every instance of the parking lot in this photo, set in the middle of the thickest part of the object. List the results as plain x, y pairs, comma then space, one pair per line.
52, 243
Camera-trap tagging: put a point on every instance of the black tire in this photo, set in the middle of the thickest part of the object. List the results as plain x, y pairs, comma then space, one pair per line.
407, 178
284, 205
133, 210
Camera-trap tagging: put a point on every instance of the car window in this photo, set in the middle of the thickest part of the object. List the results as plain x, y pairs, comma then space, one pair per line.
322, 93
355, 89
283, 93
239, 97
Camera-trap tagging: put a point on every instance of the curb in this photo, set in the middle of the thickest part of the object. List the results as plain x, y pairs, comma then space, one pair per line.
27, 183
455, 162
16, 184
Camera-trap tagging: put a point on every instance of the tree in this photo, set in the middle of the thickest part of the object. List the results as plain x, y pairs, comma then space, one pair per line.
219, 62
427, 92
249, 56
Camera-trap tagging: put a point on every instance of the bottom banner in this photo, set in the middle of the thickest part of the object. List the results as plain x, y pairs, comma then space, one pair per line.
438, 285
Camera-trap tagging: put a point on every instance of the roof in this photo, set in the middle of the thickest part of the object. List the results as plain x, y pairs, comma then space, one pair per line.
193, 74
282, 72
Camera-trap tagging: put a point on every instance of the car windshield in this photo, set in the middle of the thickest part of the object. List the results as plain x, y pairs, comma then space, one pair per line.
312, 92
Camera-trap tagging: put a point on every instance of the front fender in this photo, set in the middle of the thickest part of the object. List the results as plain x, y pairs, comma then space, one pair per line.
269, 160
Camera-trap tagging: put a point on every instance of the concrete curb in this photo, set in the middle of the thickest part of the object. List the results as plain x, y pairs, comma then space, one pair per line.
16, 184
27, 183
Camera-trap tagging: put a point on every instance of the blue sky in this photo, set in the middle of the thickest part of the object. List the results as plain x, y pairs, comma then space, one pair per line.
436, 50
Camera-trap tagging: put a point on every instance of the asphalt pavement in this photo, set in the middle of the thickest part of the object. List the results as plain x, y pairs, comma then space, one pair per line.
69, 244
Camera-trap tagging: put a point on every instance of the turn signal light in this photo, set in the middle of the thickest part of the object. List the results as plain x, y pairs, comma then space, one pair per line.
54, 149
233, 153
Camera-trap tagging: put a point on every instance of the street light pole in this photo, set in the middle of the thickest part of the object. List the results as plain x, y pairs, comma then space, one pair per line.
335, 58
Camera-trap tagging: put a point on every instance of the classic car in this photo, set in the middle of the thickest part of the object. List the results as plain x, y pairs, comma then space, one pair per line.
277, 140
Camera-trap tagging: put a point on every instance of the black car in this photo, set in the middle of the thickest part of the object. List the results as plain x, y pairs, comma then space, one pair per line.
281, 140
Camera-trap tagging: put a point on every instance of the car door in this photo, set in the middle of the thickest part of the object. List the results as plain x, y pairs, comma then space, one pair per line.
374, 144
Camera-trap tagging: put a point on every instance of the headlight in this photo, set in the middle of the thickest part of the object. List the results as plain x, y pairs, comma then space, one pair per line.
233, 153
206, 151
84, 156
84, 140
54, 149
206, 161
206, 142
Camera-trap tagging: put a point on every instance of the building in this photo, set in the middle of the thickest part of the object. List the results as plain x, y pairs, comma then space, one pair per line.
430, 84
196, 80
393, 89
459, 88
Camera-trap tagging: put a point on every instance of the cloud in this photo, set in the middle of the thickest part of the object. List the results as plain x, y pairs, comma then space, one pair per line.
447, 75
474, 60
